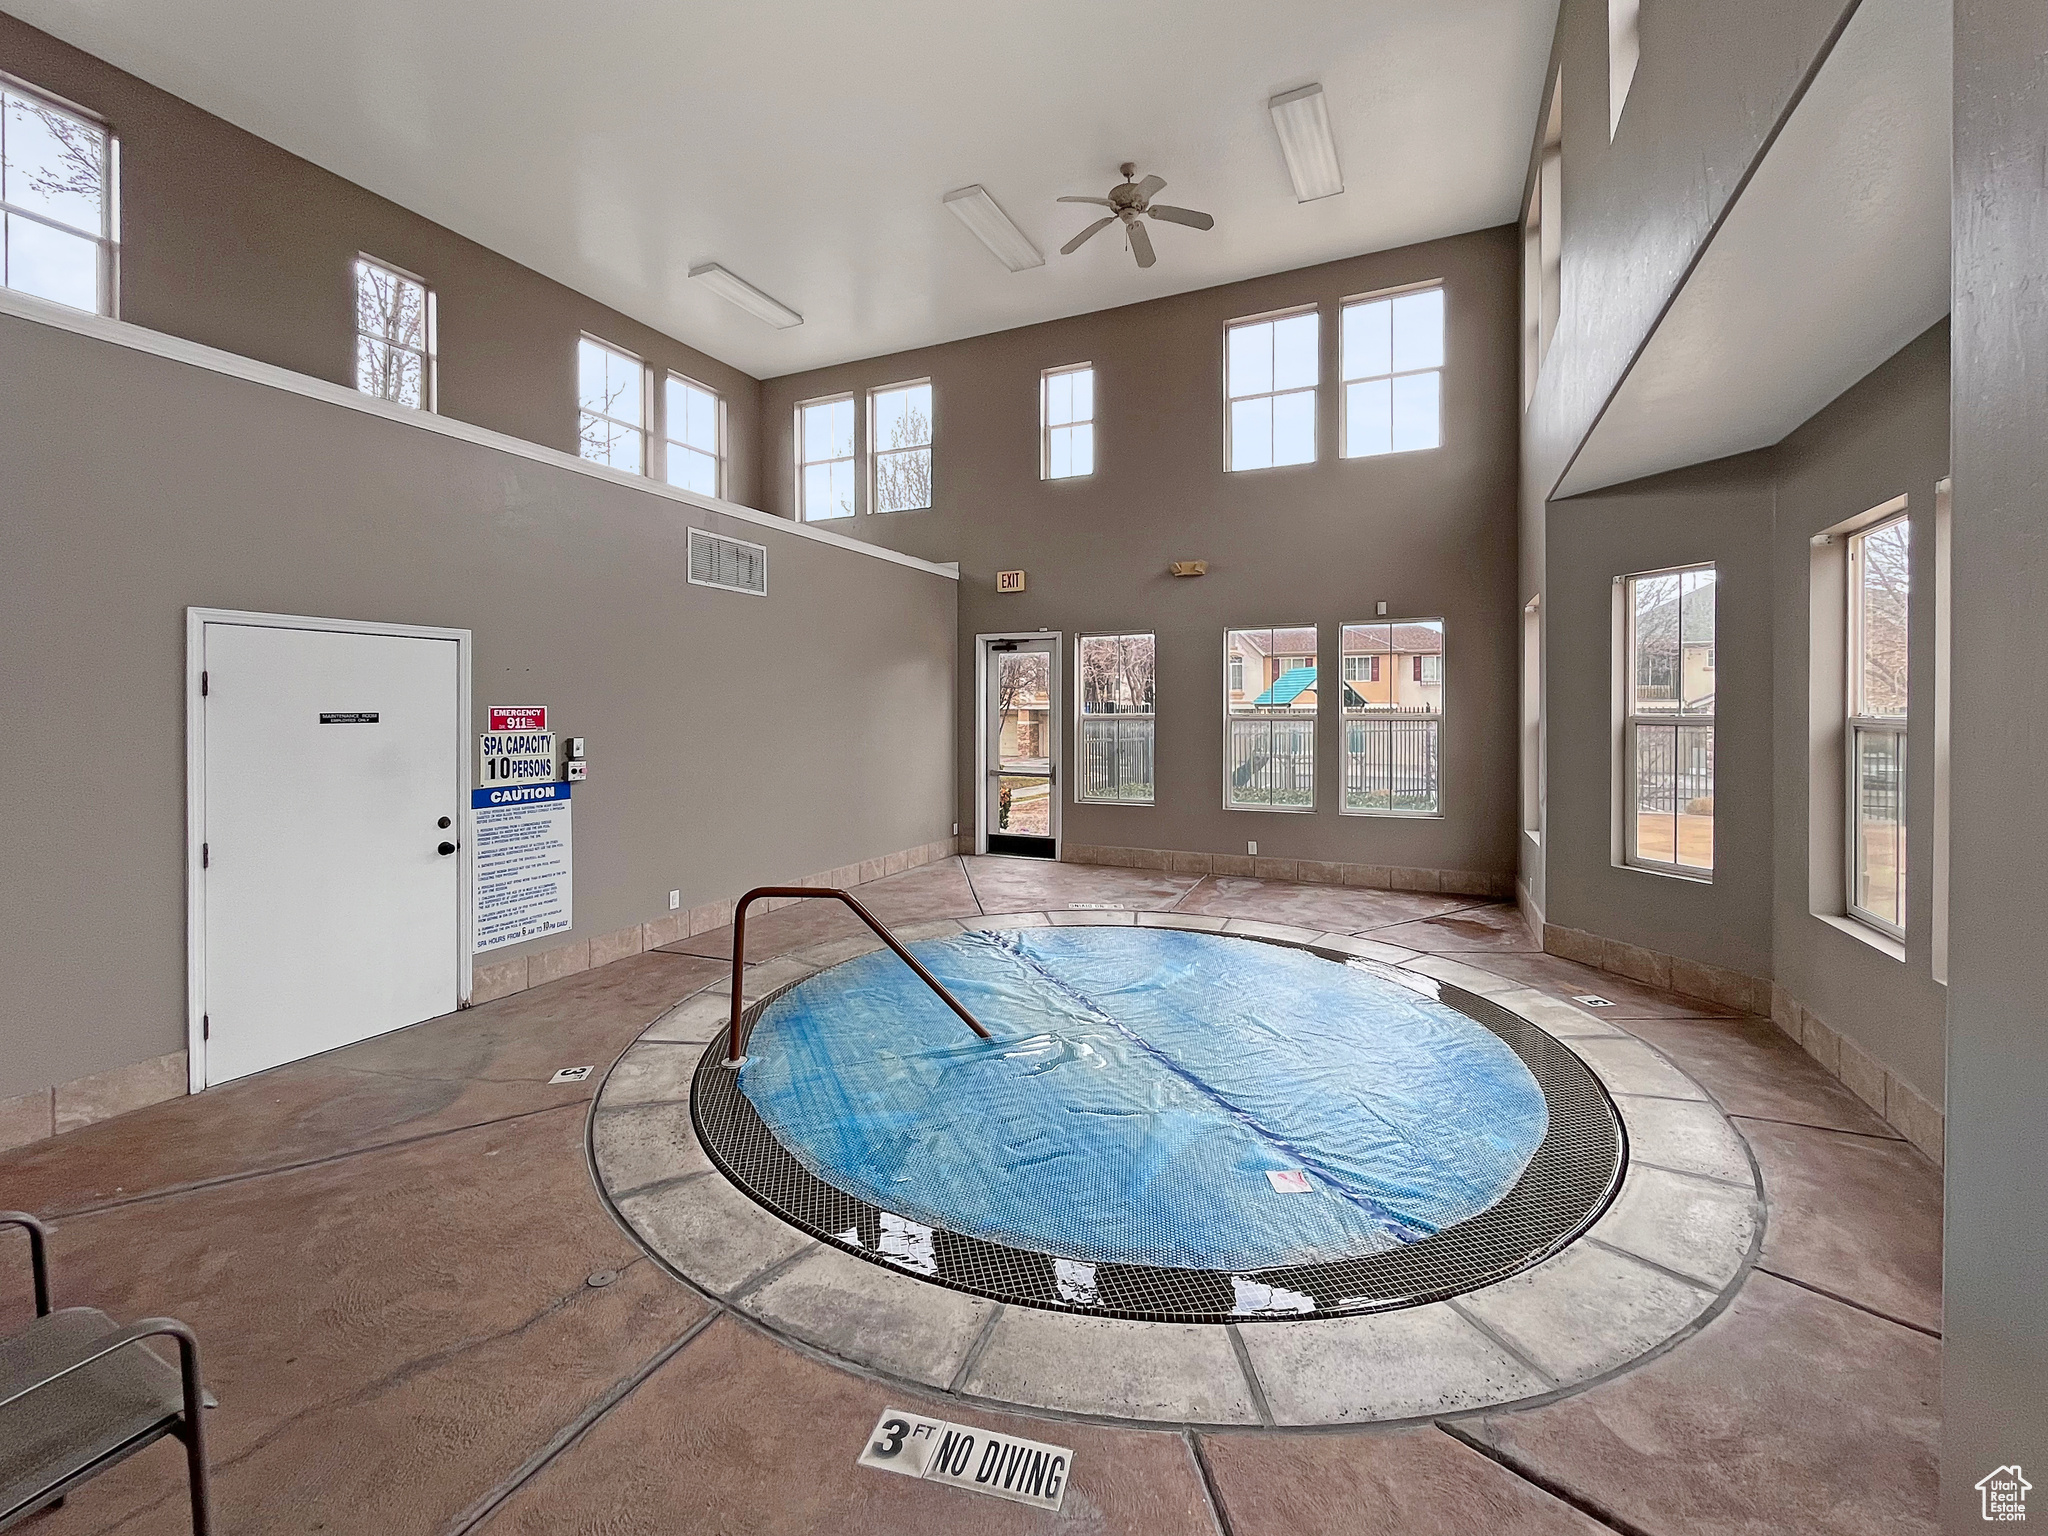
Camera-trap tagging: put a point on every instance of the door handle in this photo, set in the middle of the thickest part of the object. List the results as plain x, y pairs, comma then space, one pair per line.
445, 848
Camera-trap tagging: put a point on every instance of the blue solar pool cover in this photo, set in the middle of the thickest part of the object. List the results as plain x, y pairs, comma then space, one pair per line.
1141, 1086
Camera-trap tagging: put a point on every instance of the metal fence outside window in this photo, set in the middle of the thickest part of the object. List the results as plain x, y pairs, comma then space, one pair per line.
1116, 757
1391, 765
1272, 760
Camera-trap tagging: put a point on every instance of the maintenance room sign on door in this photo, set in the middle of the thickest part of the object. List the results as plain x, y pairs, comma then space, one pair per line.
520, 833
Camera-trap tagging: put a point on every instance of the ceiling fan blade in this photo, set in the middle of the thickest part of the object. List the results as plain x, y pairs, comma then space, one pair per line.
1102, 201
1141, 245
1186, 216
1074, 244
1151, 186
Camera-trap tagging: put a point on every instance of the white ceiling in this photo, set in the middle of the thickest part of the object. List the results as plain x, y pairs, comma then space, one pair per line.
1834, 256
806, 146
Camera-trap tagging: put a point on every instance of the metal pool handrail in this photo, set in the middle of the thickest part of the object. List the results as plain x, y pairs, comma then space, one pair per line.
739, 956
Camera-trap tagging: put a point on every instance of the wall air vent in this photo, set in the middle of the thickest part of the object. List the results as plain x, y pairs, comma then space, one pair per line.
730, 564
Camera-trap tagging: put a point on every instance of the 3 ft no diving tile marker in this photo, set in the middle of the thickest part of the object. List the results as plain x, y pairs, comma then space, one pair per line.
1023, 1471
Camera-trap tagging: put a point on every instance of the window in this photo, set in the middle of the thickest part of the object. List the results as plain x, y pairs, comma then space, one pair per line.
1067, 417
394, 335
1543, 245
693, 425
1880, 583
611, 391
1392, 707
900, 431
58, 180
1117, 693
1269, 754
1668, 720
1624, 51
1393, 359
1271, 368
824, 437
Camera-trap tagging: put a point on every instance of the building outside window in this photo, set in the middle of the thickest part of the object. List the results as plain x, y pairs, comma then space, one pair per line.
1393, 359
1392, 705
825, 470
1271, 366
611, 391
900, 431
394, 335
1668, 720
693, 428
59, 181
1067, 422
1880, 583
1269, 754
1118, 693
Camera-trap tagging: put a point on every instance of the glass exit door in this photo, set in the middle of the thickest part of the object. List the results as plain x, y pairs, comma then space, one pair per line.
1020, 724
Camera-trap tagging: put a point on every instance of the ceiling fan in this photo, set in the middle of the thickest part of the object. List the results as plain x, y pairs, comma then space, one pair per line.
1132, 202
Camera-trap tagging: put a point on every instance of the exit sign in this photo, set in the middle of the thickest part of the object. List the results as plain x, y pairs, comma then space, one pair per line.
533, 717
1009, 581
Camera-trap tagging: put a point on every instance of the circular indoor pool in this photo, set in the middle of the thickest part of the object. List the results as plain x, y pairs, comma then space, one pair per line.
1165, 1125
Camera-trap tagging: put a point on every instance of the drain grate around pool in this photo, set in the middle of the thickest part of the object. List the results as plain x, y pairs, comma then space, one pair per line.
1566, 1184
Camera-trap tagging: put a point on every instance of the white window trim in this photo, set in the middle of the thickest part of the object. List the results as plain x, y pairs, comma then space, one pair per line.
1626, 818
803, 510
1315, 769
1854, 725
1345, 381
1045, 424
1344, 716
718, 430
1082, 717
646, 406
877, 453
108, 240
430, 358
1314, 391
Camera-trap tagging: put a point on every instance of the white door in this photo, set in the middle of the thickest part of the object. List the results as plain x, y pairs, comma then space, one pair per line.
332, 782
1020, 700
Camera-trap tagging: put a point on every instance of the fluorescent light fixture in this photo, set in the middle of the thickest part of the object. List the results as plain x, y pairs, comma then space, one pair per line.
737, 290
1302, 119
973, 207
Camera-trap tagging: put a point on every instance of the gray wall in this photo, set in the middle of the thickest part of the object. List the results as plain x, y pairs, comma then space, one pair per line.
1886, 437
1754, 516
1716, 79
136, 486
231, 241
1431, 534
1995, 1382
1717, 512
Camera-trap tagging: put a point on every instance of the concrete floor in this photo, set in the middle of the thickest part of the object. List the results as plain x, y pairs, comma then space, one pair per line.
389, 1251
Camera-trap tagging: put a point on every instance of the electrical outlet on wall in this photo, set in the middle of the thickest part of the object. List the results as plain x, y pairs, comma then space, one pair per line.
1251, 848
675, 900
956, 829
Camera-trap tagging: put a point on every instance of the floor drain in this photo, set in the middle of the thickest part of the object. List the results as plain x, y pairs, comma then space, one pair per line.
598, 1280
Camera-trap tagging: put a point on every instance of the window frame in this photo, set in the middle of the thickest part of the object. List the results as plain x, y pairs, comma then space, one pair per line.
877, 453
107, 243
1046, 427
669, 442
1856, 723
1391, 676
1630, 721
1082, 717
1345, 380
803, 508
1315, 720
1313, 391
430, 357
645, 470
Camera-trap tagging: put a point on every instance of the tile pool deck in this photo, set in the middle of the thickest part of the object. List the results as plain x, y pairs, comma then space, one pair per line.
388, 1254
